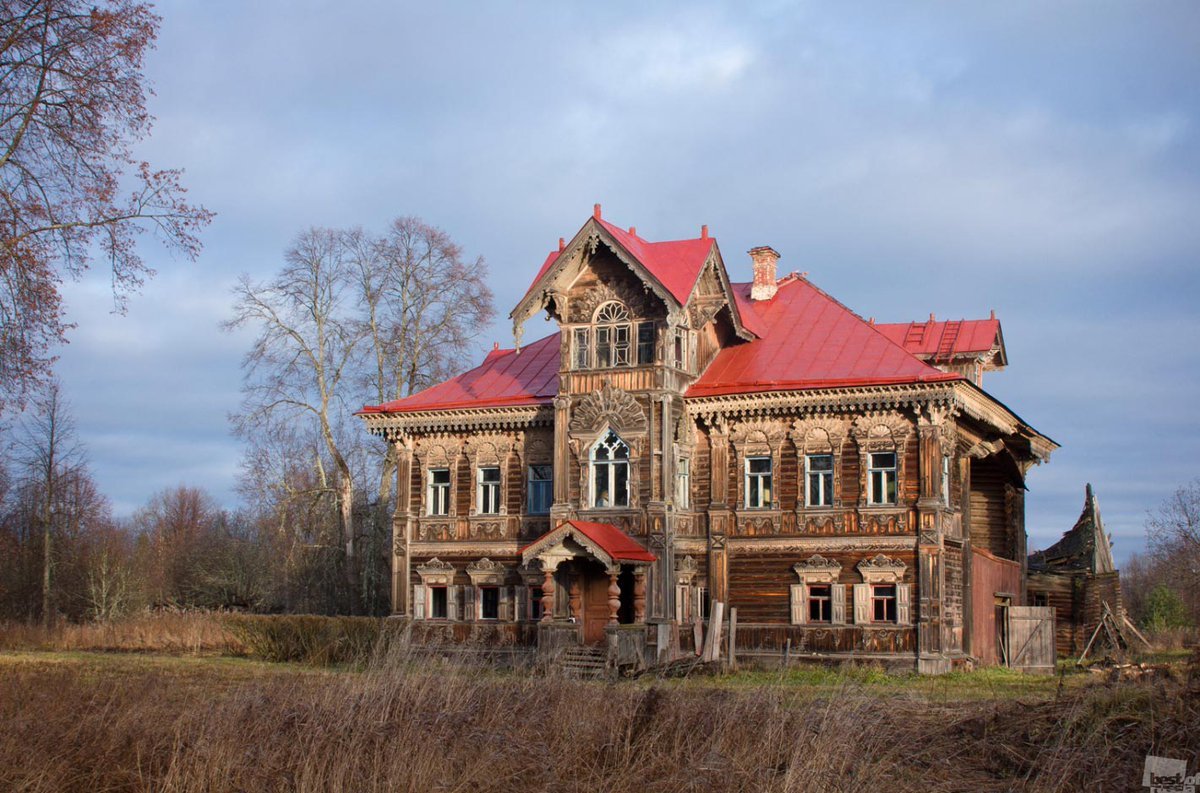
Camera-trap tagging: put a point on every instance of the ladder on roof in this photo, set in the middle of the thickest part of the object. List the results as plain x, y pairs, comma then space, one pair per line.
945, 350
915, 335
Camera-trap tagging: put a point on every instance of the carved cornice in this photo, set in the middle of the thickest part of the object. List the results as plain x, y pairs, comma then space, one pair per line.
394, 426
758, 435
881, 428
758, 545
489, 449
839, 400
881, 569
486, 572
436, 571
818, 569
819, 434
611, 407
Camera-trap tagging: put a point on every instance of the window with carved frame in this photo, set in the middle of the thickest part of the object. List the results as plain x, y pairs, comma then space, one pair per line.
488, 485
945, 480
881, 478
758, 482
609, 458
645, 343
438, 497
612, 335
541, 493
581, 353
818, 480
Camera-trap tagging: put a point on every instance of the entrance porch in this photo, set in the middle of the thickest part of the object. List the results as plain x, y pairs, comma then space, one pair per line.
594, 591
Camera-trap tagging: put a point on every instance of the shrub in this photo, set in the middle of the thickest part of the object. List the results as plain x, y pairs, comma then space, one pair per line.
322, 641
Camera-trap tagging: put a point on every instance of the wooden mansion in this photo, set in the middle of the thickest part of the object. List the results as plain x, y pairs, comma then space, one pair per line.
683, 439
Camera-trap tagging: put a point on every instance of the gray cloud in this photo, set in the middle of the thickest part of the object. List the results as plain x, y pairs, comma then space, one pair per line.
1039, 159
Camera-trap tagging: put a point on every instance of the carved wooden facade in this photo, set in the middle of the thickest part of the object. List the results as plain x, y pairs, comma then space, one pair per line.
838, 516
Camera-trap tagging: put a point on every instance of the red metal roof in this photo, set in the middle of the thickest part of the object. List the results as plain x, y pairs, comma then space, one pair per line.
676, 264
614, 542
504, 379
809, 340
944, 338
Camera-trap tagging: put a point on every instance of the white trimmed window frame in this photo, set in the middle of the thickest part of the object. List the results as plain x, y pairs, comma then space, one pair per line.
609, 466
766, 495
439, 501
818, 571
435, 575
489, 493
822, 498
878, 477
881, 570
547, 484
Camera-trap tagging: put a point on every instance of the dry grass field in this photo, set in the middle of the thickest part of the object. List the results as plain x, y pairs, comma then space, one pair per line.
77, 720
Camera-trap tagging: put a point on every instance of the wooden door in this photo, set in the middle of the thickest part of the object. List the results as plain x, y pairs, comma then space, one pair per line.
595, 607
1031, 638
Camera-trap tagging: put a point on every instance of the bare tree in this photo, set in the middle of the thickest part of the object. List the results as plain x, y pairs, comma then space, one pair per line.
305, 353
424, 305
52, 457
72, 104
1173, 534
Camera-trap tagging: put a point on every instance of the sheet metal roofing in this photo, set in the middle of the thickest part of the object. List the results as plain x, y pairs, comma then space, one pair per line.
809, 341
806, 339
503, 379
944, 338
676, 264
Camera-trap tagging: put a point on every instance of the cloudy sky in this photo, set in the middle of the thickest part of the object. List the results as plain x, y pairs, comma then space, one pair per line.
1040, 159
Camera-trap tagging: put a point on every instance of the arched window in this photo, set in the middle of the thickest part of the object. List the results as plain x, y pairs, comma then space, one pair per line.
612, 335
610, 472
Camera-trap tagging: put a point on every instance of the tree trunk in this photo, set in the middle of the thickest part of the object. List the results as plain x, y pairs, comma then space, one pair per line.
47, 611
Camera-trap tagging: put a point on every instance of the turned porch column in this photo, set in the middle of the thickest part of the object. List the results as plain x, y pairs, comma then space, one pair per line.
639, 594
548, 567
614, 594
576, 599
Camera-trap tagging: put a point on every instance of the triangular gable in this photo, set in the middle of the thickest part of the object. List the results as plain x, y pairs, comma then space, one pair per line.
603, 541
670, 269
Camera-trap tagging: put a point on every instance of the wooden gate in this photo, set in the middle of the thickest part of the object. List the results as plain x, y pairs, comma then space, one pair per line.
1031, 638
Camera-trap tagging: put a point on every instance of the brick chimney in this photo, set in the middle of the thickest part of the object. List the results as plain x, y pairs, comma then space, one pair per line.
764, 258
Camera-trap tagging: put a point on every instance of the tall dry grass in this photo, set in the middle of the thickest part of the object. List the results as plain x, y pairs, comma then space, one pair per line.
171, 632
413, 722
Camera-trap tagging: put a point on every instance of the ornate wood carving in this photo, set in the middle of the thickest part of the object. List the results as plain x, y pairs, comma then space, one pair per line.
882, 569
685, 570
818, 569
610, 407
435, 571
614, 595
485, 572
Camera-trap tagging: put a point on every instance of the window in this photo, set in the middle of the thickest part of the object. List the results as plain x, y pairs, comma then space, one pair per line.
819, 482
820, 603
883, 603
535, 603
645, 343
946, 480
489, 603
1040, 599
758, 482
683, 486
541, 482
679, 357
881, 482
437, 603
439, 491
489, 490
612, 336
610, 472
582, 353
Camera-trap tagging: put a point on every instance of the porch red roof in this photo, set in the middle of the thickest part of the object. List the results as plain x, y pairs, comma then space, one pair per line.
614, 542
